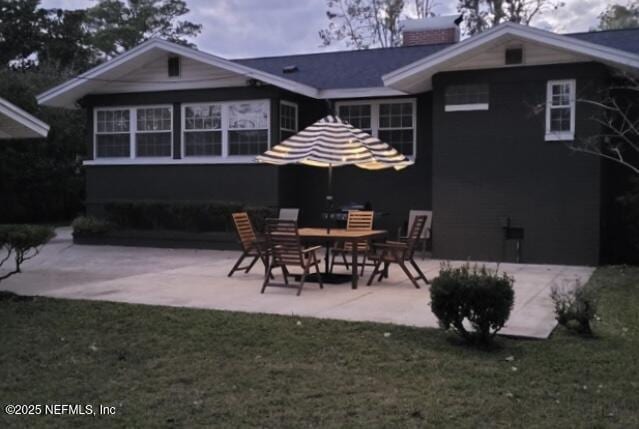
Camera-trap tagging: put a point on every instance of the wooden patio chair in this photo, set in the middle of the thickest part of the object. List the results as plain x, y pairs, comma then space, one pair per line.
252, 246
394, 252
426, 233
289, 214
357, 221
286, 251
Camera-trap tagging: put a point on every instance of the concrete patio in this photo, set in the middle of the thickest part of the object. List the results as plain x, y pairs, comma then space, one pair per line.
197, 279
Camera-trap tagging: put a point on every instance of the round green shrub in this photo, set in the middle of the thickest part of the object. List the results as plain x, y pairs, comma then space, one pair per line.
478, 296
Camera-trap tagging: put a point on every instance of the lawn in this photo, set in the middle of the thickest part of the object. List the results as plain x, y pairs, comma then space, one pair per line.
167, 367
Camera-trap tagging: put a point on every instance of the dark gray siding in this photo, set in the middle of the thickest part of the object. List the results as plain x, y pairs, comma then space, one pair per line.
252, 184
247, 183
495, 164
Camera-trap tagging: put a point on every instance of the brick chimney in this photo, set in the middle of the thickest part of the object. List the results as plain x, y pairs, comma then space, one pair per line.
431, 31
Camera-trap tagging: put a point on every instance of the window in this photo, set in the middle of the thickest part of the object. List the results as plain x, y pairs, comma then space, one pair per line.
203, 130
358, 115
134, 132
112, 133
392, 121
248, 128
225, 129
396, 126
560, 110
466, 97
154, 132
288, 119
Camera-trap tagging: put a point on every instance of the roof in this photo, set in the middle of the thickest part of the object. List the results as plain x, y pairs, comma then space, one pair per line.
351, 74
417, 77
365, 68
15, 123
343, 69
625, 40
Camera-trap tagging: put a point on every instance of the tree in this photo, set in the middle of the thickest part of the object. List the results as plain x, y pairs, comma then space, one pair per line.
480, 15
619, 120
117, 26
21, 22
363, 24
616, 17
424, 8
23, 242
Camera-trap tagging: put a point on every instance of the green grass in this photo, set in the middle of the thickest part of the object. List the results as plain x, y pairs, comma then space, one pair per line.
164, 367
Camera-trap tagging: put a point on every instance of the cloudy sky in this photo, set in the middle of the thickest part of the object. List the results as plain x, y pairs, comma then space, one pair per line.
250, 28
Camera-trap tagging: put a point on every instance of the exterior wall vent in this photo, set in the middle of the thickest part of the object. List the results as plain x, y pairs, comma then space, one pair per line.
514, 56
290, 69
174, 66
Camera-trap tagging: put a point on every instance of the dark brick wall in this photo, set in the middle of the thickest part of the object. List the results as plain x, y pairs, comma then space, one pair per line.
430, 37
493, 164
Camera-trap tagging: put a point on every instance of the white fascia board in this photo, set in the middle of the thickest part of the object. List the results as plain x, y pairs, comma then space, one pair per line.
603, 53
23, 118
359, 93
47, 97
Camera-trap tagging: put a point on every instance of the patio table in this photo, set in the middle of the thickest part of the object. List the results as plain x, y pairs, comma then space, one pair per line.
341, 234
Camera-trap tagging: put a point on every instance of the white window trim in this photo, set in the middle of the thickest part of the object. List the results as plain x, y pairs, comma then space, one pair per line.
225, 158
465, 107
563, 135
297, 119
375, 115
133, 130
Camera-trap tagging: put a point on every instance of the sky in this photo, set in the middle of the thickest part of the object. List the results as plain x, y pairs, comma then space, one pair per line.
256, 28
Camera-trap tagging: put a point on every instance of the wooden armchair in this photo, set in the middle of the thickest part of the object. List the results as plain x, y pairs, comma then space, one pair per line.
286, 251
395, 252
252, 246
356, 221
426, 233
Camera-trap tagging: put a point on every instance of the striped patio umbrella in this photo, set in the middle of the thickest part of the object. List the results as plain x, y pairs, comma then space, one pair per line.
332, 142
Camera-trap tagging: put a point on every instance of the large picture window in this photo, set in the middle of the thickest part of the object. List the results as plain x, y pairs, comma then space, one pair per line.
225, 130
560, 110
134, 132
392, 121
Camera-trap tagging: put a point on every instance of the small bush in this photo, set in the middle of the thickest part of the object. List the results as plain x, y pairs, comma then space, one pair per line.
479, 296
23, 242
90, 226
575, 307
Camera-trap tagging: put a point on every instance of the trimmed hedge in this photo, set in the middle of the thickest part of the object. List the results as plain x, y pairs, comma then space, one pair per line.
479, 296
90, 226
183, 216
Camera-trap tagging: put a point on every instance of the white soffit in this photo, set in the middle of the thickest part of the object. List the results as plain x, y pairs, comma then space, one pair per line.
15, 123
416, 77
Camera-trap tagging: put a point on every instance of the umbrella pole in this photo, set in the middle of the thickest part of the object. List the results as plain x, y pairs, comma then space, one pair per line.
329, 199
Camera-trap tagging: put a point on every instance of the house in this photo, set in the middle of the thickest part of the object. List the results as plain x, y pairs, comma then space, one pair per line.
486, 120
15, 123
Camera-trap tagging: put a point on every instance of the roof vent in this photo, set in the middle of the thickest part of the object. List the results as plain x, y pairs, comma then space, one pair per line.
174, 66
290, 69
514, 56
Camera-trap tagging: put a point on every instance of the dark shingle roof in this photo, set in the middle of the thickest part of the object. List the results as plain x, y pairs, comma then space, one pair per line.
365, 68
343, 69
625, 40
